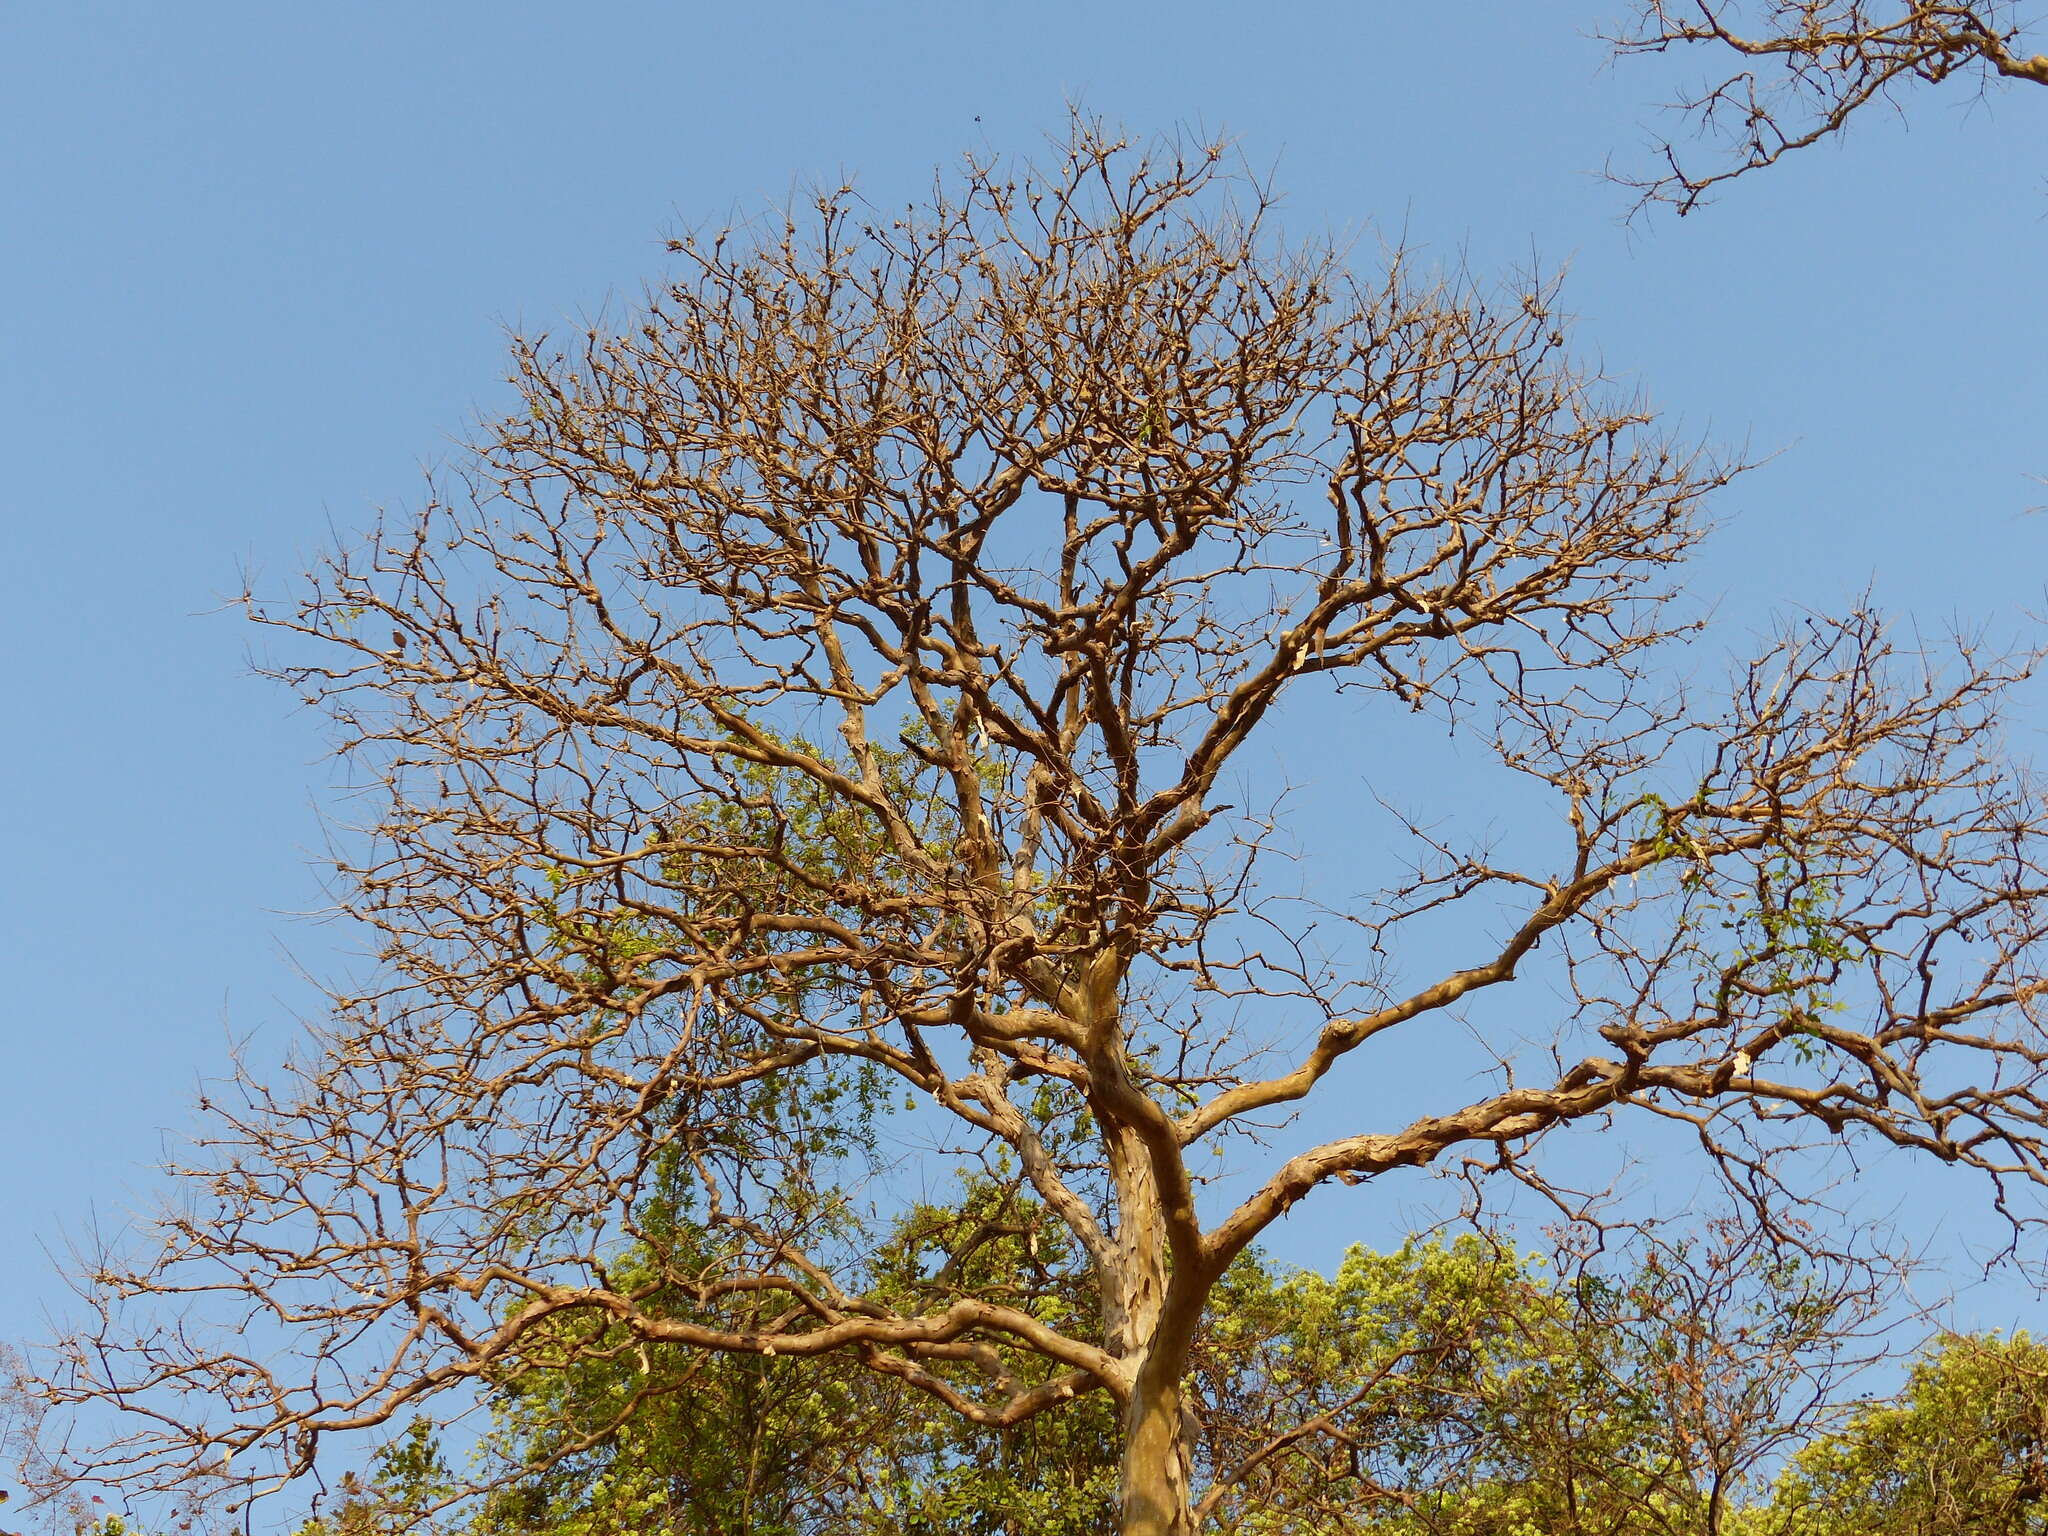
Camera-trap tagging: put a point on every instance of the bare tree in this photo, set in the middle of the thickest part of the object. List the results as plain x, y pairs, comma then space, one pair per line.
845, 680
1804, 68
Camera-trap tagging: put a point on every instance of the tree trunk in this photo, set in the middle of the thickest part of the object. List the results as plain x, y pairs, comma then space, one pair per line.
1150, 1312
1155, 1493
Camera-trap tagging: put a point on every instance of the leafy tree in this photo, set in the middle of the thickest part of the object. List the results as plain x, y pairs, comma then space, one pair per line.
409, 1480
652, 1441
628, 1438
1962, 1451
1444, 1388
852, 679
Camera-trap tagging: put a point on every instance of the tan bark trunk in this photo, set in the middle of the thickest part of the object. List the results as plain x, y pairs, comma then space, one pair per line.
1155, 1493
1149, 1317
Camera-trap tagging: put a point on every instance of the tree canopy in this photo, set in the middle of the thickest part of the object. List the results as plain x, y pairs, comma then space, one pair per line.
1449, 1387
820, 744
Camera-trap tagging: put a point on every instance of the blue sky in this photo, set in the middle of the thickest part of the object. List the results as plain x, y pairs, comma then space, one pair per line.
258, 260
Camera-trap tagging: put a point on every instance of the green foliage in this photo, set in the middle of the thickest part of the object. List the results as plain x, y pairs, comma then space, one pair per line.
1962, 1451
1392, 1354
408, 1483
1442, 1389
1498, 1399
938, 1475
1055, 1474
648, 1440
1449, 1389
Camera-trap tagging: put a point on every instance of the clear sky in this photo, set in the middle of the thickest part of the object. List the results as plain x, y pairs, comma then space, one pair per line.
256, 261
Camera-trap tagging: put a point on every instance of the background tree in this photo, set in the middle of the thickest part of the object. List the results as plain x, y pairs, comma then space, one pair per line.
852, 678
1654, 1391
409, 1479
1962, 1450
1463, 1387
1804, 68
